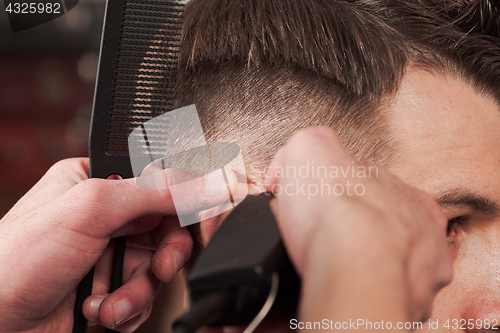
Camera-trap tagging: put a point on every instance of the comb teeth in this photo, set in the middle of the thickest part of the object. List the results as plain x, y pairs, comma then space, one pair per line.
145, 73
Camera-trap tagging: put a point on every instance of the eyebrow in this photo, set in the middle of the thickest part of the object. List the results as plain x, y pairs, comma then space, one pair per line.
464, 198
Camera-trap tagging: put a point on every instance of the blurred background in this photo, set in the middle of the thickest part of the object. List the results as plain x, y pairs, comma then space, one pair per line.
47, 77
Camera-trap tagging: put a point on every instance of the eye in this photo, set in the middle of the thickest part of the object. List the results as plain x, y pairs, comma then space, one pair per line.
453, 223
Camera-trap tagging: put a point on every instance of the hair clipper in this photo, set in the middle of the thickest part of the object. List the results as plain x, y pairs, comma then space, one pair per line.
243, 273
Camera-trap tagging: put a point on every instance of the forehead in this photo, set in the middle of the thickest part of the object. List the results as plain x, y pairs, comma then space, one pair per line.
446, 134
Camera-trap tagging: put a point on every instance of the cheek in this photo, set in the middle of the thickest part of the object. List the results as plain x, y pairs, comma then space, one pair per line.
477, 265
475, 290
449, 301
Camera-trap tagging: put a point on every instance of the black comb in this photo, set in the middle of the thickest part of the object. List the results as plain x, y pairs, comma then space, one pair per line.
135, 83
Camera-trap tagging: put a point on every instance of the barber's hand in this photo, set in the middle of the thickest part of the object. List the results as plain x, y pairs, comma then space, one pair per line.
62, 227
377, 251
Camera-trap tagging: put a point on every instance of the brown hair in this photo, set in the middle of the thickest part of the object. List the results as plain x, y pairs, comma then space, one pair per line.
259, 70
468, 16
458, 38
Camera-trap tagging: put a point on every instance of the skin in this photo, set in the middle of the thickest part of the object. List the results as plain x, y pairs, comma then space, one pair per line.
449, 144
63, 226
394, 256
385, 252
78, 216
418, 263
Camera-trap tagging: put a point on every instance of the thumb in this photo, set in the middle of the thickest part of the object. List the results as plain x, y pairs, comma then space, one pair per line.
70, 233
191, 192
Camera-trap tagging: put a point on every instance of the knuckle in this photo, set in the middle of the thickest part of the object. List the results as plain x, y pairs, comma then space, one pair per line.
320, 134
68, 173
434, 210
90, 198
92, 189
165, 178
66, 165
437, 214
63, 164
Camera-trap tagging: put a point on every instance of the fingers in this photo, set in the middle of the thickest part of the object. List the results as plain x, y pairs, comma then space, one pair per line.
138, 226
105, 206
295, 178
431, 263
140, 282
174, 248
300, 171
132, 300
134, 323
103, 270
318, 144
388, 220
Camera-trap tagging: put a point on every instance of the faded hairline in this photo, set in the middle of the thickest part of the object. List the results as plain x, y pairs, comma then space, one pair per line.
264, 62
265, 69
231, 77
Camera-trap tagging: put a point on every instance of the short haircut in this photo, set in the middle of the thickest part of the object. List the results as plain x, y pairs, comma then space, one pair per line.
260, 70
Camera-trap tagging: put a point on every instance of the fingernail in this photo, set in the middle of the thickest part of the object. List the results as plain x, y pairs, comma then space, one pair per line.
94, 307
178, 259
215, 186
123, 308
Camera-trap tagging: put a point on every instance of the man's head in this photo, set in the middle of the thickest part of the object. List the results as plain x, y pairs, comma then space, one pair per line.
403, 88
446, 123
259, 70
